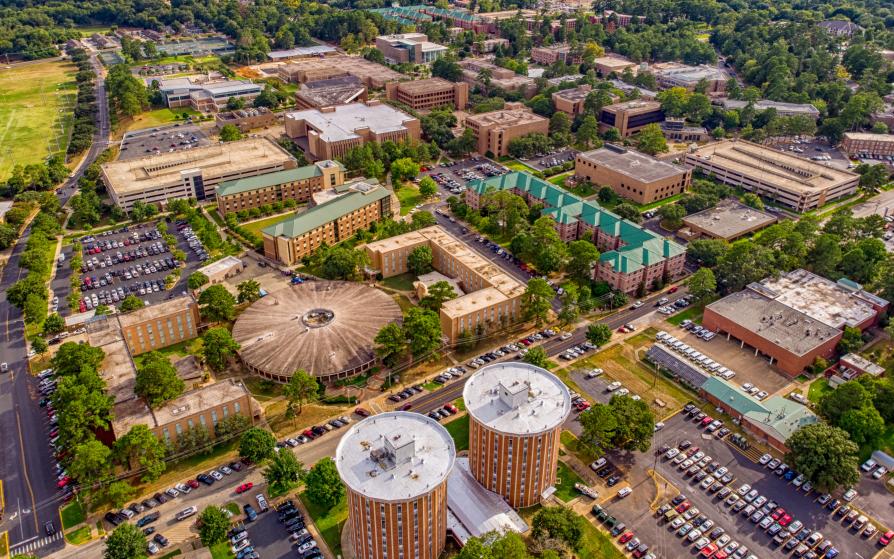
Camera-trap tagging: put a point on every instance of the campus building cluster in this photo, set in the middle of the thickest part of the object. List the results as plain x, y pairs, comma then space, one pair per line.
501, 78
340, 90
246, 119
563, 53
795, 318
633, 258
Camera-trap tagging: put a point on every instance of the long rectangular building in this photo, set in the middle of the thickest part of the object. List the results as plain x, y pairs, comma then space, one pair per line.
160, 325
786, 179
632, 258
373, 75
347, 209
631, 174
202, 94
865, 144
492, 298
429, 93
297, 184
194, 173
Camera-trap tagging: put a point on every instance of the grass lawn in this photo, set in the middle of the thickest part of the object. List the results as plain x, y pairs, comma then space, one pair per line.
402, 282
233, 507
79, 536
72, 515
431, 386
329, 522
596, 543
88, 30
256, 226
692, 313
409, 198
565, 480
261, 390
158, 117
517, 165
658, 203
575, 447
36, 111
818, 388
459, 430
221, 550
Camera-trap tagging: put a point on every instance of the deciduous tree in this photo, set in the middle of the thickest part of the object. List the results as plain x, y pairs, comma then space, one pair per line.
157, 379
599, 334
536, 300
217, 304
301, 389
257, 444
213, 525
126, 542
419, 261
324, 486
825, 455
284, 472
249, 291
140, 448
218, 346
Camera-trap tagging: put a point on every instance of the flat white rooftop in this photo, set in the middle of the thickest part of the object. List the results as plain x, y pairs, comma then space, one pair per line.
473, 510
395, 456
342, 122
517, 398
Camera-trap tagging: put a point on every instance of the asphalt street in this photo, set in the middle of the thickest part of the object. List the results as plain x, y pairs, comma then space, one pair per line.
29, 487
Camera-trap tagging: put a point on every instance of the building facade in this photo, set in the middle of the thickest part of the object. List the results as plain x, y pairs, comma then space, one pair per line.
373, 75
412, 48
246, 119
556, 53
494, 130
203, 407
502, 78
297, 184
630, 117
608, 65
204, 95
429, 93
856, 144
160, 325
334, 91
631, 174
395, 467
571, 101
355, 207
516, 412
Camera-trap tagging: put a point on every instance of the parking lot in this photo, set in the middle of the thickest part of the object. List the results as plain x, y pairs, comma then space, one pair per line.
816, 150
162, 139
552, 160
453, 177
662, 538
132, 260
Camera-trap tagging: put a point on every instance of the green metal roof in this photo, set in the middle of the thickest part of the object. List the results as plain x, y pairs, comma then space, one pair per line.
737, 400
641, 247
248, 184
326, 212
782, 417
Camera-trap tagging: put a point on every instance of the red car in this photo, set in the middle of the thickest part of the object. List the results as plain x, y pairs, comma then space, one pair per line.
244, 487
720, 554
777, 514
673, 289
709, 550
886, 538
683, 507
451, 407
785, 520
707, 420
405, 407
625, 537
309, 434
361, 412
63, 482
193, 483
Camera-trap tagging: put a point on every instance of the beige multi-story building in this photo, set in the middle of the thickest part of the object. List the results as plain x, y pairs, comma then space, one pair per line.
571, 101
327, 93
246, 119
501, 78
792, 181
412, 48
429, 93
494, 130
516, 413
160, 325
194, 173
556, 53
866, 144
607, 65
330, 132
631, 174
336, 216
491, 299
373, 75
630, 117
297, 184
395, 467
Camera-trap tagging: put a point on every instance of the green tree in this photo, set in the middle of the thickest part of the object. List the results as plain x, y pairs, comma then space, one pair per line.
583, 255
825, 455
141, 449
257, 444
324, 487
196, 280
234, 104
218, 346
213, 525
674, 101
391, 343
90, 463
536, 356
752, 200
599, 334
672, 215
865, 425
651, 140
120, 492
635, 423
157, 379
558, 523
629, 212
422, 328
284, 472
419, 261
249, 291
229, 133
825, 255
131, 303
427, 187
301, 389
126, 542
598, 425
39, 345
217, 304
588, 132
848, 396
702, 285
71, 358
404, 169
342, 263
537, 301
438, 293
708, 252
53, 324
851, 341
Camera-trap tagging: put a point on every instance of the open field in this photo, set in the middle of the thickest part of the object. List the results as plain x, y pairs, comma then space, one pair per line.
36, 104
409, 197
256, 226
565, 485
158, 117
88, 30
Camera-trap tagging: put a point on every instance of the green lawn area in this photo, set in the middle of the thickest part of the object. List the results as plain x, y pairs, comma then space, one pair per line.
517, 165
256, 226
160, 116
596, 543
329, 522
221, 550
88, 30
184, 58
459, 430
431, 386
72, 515
79, 535
402, 282
566, 478
818, 388
574, 446
409, 197
36, 110
233, 507
692, 313
658, 203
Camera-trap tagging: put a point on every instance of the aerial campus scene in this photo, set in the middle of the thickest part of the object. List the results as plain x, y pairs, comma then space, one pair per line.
468, 279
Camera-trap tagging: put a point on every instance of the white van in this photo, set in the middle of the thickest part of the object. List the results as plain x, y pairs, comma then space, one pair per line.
186, 513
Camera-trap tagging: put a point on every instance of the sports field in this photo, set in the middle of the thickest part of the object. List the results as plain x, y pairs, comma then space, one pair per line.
36, 104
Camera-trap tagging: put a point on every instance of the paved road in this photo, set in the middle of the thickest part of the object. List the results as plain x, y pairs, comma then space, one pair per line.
25, 461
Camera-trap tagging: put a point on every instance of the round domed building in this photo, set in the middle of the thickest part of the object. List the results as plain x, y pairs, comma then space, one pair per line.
326, 328
516, 412
395, 467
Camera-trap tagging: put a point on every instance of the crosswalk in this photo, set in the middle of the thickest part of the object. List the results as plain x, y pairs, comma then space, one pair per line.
27, 547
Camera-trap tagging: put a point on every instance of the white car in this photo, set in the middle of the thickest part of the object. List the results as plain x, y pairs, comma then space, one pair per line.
671, 453
867, 466
226, 470
601, 462
766, 457
878, 473
309, 545
624, 492
216, 475
849, 495
240, 546
262, 502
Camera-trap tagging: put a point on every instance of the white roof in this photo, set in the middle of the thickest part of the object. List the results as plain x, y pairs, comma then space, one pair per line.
517, 398
395, 456
301, 51
340, 123
473, 510
222, 265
